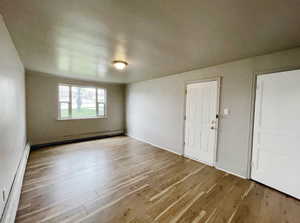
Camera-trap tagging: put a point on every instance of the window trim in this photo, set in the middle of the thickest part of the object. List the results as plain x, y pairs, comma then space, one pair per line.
59, 118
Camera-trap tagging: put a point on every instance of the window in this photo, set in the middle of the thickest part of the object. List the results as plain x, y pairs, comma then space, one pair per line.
79, 102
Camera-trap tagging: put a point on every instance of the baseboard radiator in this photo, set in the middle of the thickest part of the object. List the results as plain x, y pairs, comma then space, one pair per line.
78, 138
12, 203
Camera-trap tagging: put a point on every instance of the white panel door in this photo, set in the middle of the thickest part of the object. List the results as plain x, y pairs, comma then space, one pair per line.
201, 122
276, 139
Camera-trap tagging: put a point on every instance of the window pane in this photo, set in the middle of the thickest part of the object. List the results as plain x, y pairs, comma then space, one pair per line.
101, 95
83, 102
64, 93
101, 109
64, 110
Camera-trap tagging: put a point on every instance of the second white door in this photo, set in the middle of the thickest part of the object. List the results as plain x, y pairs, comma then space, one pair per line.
201, 121
276, 137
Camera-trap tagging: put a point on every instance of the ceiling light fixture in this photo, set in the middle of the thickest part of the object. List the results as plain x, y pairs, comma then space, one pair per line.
120, 65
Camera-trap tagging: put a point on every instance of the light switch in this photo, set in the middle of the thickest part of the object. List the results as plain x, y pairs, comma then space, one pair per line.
226, 112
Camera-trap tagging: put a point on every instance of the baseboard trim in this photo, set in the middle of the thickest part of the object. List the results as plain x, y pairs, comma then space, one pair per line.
154, 145
69, 141
197, 160
11, 206
235, 174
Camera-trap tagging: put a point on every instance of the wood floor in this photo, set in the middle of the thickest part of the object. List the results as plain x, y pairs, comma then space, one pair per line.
123, 180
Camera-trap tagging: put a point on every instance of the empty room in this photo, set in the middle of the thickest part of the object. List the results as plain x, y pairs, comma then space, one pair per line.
162, 111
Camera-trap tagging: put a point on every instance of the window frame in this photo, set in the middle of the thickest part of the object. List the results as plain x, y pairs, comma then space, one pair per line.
70, 103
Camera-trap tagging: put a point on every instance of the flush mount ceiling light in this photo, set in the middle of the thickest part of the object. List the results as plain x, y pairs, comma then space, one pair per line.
119, 64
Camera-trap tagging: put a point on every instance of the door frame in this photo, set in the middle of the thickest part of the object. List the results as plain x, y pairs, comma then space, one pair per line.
218, 79
252, 110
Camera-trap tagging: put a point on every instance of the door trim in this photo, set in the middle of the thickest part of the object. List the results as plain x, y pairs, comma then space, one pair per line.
218, 79
252, 108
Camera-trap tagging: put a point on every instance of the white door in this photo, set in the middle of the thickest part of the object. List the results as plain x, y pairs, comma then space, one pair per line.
201, 121
276, 139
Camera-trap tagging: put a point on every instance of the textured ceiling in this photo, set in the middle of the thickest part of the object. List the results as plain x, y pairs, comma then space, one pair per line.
80, 38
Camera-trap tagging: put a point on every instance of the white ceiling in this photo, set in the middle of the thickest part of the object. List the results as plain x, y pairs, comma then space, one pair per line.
80, 38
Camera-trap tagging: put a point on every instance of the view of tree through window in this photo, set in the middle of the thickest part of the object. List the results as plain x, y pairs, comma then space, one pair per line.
81, 102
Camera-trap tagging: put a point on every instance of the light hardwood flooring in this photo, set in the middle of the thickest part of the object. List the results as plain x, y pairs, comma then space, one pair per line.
123, 180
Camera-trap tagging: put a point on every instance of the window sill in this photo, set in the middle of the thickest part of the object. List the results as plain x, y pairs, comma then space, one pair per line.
86, 118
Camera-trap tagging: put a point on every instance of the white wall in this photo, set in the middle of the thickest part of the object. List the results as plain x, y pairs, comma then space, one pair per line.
155, 108
12, 111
